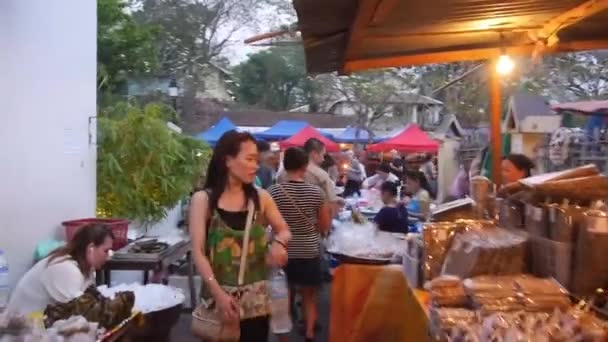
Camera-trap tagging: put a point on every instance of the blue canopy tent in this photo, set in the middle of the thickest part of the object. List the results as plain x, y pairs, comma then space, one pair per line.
282, 130
350, 136
213, 134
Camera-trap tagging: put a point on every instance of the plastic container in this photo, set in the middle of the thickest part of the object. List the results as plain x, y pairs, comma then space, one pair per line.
280, 319
5, 289
120, 228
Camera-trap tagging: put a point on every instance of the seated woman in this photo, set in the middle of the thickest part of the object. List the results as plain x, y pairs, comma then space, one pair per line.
65, 274
418, 203
515, 167
393, 216
383, 174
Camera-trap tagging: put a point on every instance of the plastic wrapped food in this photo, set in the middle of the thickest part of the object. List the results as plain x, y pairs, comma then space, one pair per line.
527, 327
437, 238
486, 251
533, 285
449, 317
447, 291
365, 241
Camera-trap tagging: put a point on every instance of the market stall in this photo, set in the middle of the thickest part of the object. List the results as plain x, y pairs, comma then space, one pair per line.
299, 139
510, 263
411, 140
352, 36
213, 134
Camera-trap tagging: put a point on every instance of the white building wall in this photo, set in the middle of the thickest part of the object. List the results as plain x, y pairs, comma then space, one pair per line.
47, 92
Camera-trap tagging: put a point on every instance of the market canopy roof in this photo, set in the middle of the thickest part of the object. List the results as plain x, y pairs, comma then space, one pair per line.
348, 35
213, 134
585, 107
411, 140
306, 133
350, 136
282, 130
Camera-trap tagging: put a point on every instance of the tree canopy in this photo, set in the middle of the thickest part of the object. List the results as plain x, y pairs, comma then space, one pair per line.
124, 47
274, 79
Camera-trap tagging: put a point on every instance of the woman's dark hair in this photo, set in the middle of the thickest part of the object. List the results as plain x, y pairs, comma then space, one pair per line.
95, 233
389, 187
419, 177
384, 168
263, 146
295, 158
229, 145
328, 162
521, 162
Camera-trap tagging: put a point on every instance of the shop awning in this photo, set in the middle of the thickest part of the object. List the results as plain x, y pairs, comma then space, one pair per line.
213, 134
347, 35
306, 133
411, 140
282, 130
351, 136
584, 107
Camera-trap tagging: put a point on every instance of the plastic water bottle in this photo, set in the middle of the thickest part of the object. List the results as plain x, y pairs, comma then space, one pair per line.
280, 319
4, 287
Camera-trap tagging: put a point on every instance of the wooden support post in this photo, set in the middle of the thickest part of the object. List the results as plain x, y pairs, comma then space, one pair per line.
495, 124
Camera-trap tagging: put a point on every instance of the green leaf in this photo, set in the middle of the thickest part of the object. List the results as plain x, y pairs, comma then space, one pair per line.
146, 169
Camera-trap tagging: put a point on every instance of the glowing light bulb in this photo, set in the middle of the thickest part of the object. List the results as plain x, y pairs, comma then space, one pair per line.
504, 65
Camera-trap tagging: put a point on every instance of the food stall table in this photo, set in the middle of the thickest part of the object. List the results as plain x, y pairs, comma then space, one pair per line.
375, 303
149, 263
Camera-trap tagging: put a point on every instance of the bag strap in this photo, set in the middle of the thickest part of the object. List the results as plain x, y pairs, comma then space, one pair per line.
293, 202
245, 247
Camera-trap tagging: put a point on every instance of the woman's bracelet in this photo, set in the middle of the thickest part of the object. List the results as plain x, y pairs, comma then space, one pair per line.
280, 242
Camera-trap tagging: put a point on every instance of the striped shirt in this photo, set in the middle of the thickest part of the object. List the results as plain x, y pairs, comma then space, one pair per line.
308, 200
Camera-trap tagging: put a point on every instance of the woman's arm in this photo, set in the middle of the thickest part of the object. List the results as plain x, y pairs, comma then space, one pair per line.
369, 182
273, 217
199, 215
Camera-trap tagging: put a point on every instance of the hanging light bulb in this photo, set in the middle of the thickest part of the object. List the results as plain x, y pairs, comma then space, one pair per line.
504, 65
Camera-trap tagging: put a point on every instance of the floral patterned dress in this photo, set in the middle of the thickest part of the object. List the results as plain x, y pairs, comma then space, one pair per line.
224, 246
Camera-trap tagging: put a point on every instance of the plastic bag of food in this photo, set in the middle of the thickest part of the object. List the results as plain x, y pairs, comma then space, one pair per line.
489, 251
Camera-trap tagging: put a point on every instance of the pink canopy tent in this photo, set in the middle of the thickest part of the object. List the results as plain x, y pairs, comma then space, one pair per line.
298, 139
411, 140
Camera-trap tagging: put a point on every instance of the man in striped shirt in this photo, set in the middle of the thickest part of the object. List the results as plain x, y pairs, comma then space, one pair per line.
307, 213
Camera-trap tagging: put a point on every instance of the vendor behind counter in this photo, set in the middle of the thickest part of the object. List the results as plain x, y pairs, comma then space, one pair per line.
65, 274
393, 216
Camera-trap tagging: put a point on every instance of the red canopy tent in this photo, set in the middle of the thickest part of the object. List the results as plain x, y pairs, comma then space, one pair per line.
411, 140
306, 133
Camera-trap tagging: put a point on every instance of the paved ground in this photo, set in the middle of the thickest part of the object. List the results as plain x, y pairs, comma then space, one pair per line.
181, 332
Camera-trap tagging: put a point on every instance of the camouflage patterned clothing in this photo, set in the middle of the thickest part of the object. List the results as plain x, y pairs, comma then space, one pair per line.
224, 245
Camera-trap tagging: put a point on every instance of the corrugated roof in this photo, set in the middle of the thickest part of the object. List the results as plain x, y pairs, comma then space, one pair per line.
390, 29
524, 105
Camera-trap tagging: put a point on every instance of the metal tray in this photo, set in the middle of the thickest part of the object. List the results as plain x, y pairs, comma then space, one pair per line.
349, 259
